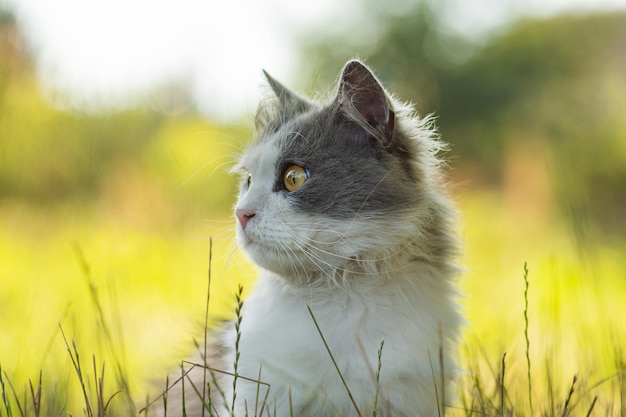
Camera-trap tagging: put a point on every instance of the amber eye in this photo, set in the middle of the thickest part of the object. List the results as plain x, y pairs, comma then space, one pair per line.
294, 177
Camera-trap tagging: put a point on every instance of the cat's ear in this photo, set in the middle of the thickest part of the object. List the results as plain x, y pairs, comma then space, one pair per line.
289, 101
362, 98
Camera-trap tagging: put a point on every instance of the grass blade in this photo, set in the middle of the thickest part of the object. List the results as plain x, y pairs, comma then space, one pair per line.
5, 399
74, 356
442, 372
206, 324
569, 397
239, 298
380, 363
343, 380
112, 343
432, 370
593, 404
502, 391
36, 395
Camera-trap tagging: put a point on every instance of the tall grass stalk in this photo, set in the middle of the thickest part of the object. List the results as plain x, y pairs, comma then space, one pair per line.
206, 326
258, 392
593, 404
502, 390
36, 395
380, 363
218, 388
432, 370
167, 384
569, 397
238, 320
530, 385
622, 386
75, 357
442, 373
183, 374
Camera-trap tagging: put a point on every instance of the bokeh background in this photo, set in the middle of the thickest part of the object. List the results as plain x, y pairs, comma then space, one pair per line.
119, 122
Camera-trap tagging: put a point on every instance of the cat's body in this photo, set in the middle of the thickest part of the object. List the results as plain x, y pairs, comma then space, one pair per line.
343, 209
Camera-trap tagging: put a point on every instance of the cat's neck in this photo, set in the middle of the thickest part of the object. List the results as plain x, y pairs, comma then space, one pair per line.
403, 272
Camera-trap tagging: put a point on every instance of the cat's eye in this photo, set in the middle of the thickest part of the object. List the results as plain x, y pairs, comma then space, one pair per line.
248, 180
294, 177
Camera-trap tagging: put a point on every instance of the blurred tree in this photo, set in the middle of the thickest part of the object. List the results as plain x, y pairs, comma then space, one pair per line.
50, 154
559, 83
47, 154
15, 58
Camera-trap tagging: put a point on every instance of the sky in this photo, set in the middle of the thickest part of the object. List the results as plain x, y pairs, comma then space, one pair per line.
111, 51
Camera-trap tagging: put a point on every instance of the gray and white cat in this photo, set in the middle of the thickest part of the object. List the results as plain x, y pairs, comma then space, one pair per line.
343, 208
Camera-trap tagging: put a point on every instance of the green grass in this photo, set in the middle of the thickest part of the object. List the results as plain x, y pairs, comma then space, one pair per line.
95, 311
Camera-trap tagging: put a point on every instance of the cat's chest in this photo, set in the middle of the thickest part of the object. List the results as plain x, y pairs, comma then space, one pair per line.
300, 342
301, 328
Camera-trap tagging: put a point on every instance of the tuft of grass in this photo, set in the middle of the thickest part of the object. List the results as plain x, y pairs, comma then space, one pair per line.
5, 396
115, 343
102, 403
487, 392
22, 405
36, 395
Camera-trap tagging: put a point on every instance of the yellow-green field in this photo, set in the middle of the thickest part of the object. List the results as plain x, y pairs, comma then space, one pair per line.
111, 218
107, 236
576, 311
149, 280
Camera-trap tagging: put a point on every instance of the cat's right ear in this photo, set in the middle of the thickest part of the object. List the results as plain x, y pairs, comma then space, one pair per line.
364, 100
289, 101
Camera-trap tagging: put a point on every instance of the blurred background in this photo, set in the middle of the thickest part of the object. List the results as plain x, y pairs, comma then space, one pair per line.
119, 121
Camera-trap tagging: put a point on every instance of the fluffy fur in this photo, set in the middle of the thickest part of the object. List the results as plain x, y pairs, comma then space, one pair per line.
366, 243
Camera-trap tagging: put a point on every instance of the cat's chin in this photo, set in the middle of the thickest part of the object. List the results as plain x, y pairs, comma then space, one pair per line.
272, 259
262, 254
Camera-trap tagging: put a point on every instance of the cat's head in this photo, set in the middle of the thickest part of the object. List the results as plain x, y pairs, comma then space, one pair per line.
327, 185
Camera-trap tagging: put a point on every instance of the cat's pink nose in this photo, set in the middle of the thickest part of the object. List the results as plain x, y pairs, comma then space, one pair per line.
243, 216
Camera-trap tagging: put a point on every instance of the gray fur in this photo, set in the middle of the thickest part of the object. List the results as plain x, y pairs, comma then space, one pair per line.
354, 168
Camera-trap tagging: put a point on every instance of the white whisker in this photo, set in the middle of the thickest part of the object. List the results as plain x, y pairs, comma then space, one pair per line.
371, 192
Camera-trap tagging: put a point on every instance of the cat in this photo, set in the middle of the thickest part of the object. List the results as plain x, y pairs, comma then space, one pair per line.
343, 206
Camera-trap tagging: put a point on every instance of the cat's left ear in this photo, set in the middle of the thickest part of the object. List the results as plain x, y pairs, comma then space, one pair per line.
362, 98
289, 101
